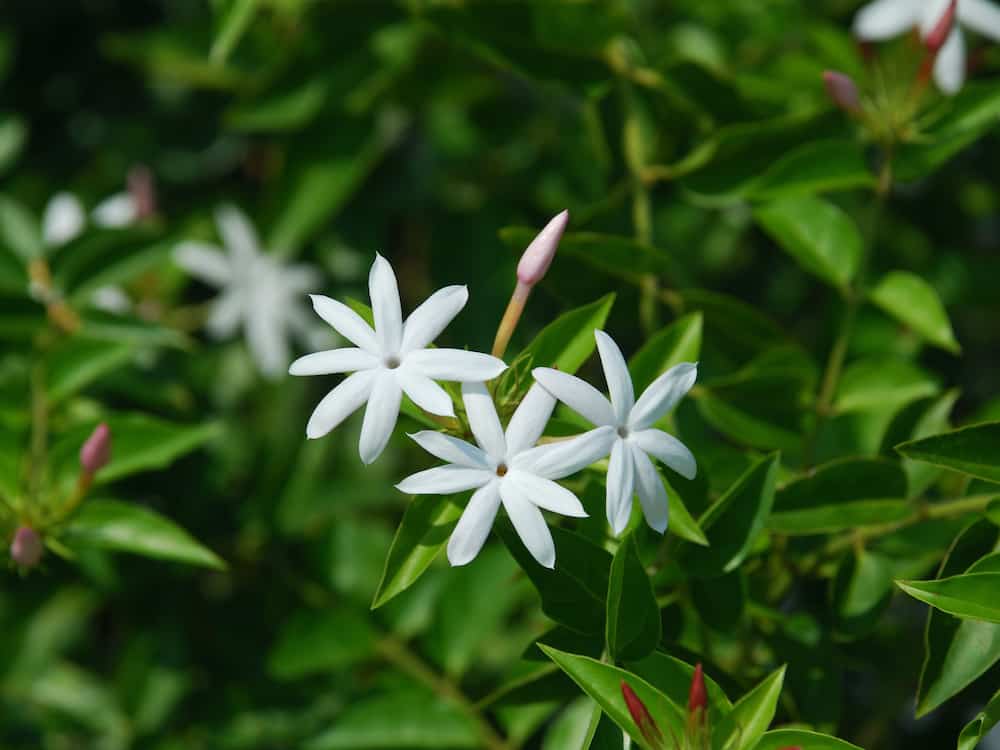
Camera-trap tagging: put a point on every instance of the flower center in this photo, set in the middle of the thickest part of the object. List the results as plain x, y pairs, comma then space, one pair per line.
623, 432
501, 469
392, 362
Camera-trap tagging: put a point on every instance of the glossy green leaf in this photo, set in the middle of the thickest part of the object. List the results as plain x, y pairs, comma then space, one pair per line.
861, 591
125, 527
882, 383
82, 695
633, 617
781, 739
817, 167
916, 304
672, 677
934, 420
568, 341
973, 450
970, 595
820, 237
79, 362
752, 714
678, 342
980, 725
236, 19
20, 231
313, 642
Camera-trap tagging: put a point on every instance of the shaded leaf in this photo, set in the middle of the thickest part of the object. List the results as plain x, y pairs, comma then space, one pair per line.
633, 617
973, 450
916, 304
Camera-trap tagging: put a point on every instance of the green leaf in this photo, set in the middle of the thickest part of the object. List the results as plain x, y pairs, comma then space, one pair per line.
752, 714
973, 450
568, 341
817, 167
971, 595
678, 342
422, 534
13, 135
980, 725
915, 303
114, 525
672, 677
633, 617
313, 642
19, 230
934, 420
780, 739
72, 691
861, 591
235, 21
282, 111
733, 523
882, 383
817, 234
720, 602
78, 362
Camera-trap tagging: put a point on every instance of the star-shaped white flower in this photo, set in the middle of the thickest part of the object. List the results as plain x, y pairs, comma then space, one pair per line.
258, 291
883, 19
391, 360
633, 437
505, 468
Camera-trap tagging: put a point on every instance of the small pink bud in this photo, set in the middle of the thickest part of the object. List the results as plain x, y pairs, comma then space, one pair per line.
842, 91
26, 549
937, 36
96, 451
142, 190
641, 717
697, 697
538, 257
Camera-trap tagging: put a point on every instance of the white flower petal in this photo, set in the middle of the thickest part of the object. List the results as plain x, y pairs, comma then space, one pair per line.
981, 16
380, 416
425, 393
483, 420
883, 19
63, 219
578, 395
300, 278
455, 364
529, 419
662, 395
340, 403
452, 450
474, 526
547, 494
224, 315
346, 322
205, 262
558, 460
949, 67
112, 299
426, 322
238, 234
267, 340
652, 493
529, 523
115, 212
671, 451
617, 375
333, 361
385, 306
621, 484
445, 480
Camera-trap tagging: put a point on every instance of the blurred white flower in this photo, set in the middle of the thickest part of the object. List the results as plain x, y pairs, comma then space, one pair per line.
63, 219
259, 293
505, 467
633, 438
390, 360
883, 19
117, 211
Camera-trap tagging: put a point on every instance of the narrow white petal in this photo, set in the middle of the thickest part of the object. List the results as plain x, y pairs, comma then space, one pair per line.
668, 449
112, 299
483, 420
652, 493
63, 219
340, 403
445, 480
333, 361
529, 419
238, 234
115, 212
205, 262
883, 19
267, 340
621, 484
662, 395
474, 526
300, 278
380, 416
558, 460
425, 393
529, 523
224, 315
617, 375
346, 322
949, 67
452, 450
426, 322
578, 395
385, 305
455, 364
547, 494
982, 16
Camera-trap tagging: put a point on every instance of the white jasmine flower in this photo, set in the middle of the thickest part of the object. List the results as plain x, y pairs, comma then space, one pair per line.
63, 219
504, 467
259, 292
390, 360
634, 439
883, 19
116, 211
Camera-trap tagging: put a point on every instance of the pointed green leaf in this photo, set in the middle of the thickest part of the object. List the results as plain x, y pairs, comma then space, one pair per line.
236, 19
882, 383
752, 714
973, 450
678, 342
980, 725
971, 595
633, 619
781, 739
916, 304
568, 341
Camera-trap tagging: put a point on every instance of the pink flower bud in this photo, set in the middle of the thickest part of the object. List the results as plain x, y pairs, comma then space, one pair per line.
697, 697
842, 91
938, 35
26, 549
142, 190
538, 257
96, 451
640, 715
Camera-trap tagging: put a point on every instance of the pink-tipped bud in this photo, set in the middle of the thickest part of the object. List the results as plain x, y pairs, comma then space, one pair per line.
697, 697
538, 257
640, 715
938, 35
26, 549
96, 451
142, 190
842, 91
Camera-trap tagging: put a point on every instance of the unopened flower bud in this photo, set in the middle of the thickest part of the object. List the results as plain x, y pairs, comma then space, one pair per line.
142, 191
26, 548
538, 256
642, 718
697, 697
96, 451
938, 34
842, 91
